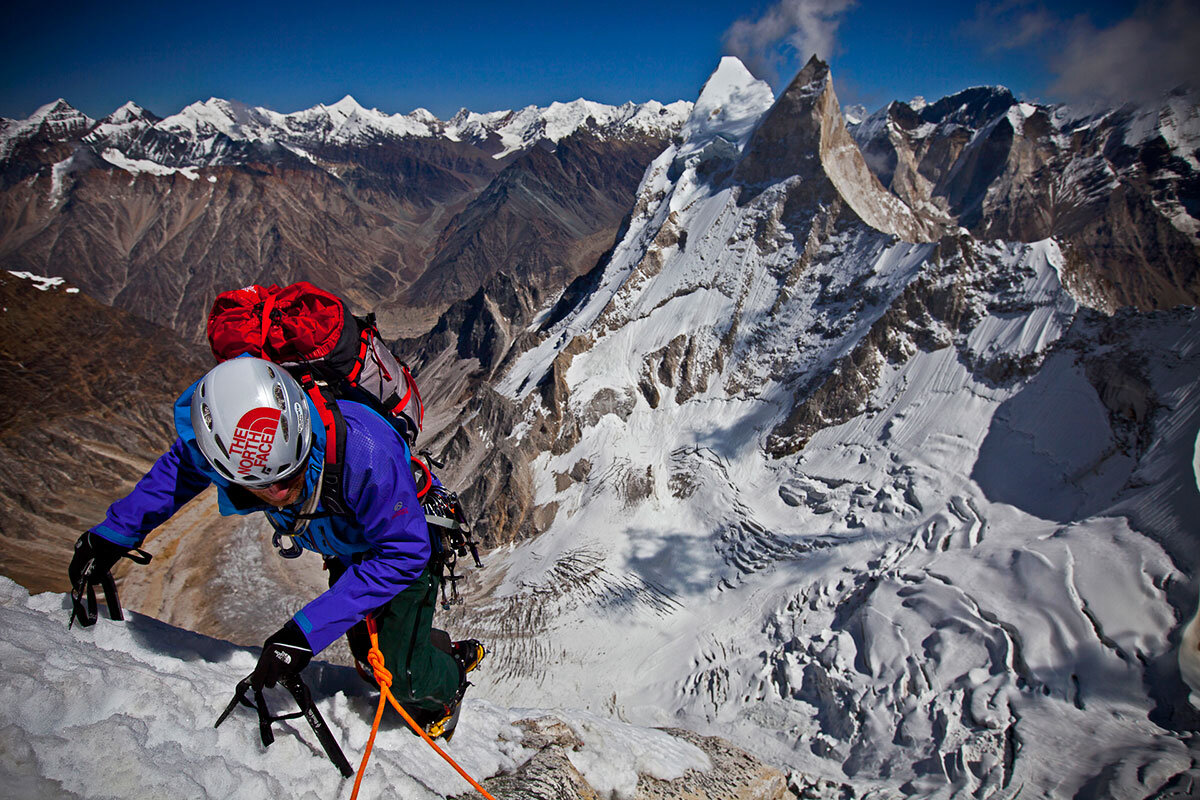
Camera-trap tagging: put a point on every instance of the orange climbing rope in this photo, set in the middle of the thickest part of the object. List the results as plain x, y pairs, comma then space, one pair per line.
384, 679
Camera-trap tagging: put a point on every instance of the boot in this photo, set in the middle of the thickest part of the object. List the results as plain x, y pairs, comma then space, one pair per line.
468, 653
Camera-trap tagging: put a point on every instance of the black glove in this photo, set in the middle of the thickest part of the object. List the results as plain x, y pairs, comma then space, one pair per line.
284, 654
92, 566
94, 556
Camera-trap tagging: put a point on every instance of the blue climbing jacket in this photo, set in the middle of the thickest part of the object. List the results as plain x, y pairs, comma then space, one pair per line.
383, 542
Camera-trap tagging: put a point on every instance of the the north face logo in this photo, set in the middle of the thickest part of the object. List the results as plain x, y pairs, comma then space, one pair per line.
253, 438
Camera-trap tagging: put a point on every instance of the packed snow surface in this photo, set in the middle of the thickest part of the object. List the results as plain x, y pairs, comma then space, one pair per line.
729, 106
126, 709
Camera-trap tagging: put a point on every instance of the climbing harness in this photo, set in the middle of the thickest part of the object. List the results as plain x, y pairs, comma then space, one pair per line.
384, 679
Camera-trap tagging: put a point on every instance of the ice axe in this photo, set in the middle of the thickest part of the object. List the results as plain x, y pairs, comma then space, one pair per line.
308, 710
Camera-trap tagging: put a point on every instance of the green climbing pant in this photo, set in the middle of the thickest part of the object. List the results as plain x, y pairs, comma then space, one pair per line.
423, 675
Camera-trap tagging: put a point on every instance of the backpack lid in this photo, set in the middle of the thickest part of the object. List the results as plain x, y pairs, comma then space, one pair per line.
294, 324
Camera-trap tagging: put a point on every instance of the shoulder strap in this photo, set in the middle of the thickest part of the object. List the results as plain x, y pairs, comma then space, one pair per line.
332, 496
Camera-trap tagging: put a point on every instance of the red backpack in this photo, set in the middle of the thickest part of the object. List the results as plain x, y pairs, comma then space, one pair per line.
331, 353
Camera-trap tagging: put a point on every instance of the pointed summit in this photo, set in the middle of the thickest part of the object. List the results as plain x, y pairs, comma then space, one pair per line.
788, 141
346, 106
804, 136
729, 106
128, 113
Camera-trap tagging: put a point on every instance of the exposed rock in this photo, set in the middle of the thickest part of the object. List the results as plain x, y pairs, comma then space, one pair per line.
803, 138
637, 485
608, 401
1119, 189
544, 732
735, 775
547, 218
550, 775
581, 470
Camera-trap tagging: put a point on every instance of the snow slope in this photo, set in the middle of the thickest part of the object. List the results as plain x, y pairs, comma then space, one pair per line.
125, 710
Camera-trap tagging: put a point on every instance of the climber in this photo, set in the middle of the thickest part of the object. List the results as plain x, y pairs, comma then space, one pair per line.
247, 427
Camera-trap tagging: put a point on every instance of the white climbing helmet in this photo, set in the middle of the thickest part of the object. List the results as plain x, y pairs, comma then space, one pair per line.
252, 421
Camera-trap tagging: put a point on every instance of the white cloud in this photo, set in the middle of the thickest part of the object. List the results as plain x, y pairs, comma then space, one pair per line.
1138, 58
1012, 24
805, 26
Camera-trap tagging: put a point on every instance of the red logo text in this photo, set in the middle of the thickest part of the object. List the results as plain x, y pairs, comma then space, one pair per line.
253, 438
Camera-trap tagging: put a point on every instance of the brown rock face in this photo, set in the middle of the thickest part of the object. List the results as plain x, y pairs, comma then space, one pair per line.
402, 226
803, 138
1121, 200
86, 408
546, 218
550, 775
163, 247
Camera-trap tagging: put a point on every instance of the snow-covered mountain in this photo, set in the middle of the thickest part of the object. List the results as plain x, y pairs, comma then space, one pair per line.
216, 131
55, 121
157, 215
883, 501
1119, 189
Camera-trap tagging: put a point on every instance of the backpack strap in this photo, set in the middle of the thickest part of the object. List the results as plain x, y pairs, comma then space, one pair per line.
332, 496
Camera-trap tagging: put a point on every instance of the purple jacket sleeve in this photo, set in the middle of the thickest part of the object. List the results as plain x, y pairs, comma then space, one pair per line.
166, 488
383, 498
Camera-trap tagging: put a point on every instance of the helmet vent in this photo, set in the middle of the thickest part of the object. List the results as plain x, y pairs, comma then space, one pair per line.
283, 423
271, 372
220, 444
206, 412
279, 401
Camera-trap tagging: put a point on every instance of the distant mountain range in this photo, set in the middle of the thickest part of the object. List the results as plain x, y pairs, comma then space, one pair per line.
157, 215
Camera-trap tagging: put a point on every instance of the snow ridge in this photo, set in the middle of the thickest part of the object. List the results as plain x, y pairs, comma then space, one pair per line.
204, 131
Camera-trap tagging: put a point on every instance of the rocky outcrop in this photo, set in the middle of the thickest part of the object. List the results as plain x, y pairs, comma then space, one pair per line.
549, 775
803, 138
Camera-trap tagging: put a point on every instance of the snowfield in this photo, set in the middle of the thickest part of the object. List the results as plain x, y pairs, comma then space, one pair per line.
125, 710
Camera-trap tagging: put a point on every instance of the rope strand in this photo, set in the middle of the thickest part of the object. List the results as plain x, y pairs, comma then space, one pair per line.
384, 679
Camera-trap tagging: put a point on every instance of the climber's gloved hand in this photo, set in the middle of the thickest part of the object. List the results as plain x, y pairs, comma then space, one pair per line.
90, 566
284, 654
94, 558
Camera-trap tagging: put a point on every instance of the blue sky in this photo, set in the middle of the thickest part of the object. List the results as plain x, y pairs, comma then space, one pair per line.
487, 56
